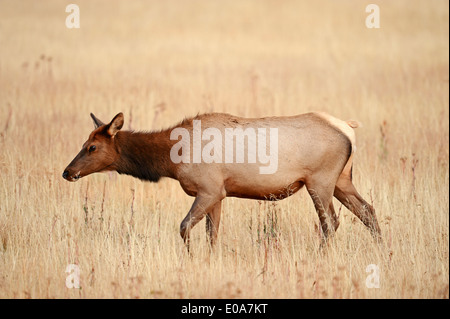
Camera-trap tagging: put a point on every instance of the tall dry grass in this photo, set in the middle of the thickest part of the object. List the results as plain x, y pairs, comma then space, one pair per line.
159, 61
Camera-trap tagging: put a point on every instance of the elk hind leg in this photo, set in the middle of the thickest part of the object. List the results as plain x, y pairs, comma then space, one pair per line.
333, 216
322, 197
346, 193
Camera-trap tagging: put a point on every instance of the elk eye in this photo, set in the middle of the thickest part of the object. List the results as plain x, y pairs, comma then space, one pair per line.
92, 148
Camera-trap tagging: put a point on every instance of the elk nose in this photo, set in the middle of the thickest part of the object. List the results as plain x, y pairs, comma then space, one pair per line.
65, 174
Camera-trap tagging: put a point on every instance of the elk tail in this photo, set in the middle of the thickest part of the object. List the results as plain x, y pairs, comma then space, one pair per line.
354, 123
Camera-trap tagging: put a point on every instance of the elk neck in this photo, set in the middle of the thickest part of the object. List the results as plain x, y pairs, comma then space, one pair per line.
144, 155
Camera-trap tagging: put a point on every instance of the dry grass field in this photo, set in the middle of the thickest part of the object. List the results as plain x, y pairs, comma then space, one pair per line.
160, 61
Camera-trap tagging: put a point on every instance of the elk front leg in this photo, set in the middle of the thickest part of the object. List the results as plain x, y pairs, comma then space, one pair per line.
212, 223
201, 205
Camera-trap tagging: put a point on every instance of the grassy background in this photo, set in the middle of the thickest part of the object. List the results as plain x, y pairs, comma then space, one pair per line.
159, 61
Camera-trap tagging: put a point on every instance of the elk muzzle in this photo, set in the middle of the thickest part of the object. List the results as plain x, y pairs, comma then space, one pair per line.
71, 177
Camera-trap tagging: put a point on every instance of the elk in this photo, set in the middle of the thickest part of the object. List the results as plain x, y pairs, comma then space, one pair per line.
315, 150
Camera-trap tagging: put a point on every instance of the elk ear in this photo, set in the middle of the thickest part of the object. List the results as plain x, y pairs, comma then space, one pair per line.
115, 125
97, 122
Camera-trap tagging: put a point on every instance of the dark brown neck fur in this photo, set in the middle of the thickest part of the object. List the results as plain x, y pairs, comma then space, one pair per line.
144, 155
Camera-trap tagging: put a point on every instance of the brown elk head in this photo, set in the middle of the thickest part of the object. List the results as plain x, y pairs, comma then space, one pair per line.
98, 153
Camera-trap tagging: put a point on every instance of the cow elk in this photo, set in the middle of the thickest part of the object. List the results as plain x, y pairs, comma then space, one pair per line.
313, 150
